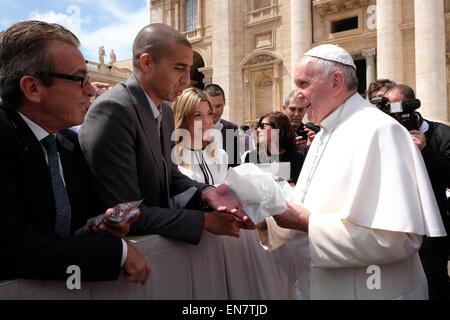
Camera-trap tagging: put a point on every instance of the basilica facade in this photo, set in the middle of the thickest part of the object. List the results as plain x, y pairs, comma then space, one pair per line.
250, 47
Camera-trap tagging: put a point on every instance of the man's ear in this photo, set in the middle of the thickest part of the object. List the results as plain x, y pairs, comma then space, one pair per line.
337, 83
147, 62
31, 88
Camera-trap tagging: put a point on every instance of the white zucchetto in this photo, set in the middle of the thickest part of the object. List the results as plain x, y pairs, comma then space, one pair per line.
333, 53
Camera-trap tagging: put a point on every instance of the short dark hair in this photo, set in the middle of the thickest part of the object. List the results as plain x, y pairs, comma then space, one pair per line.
405, 90
377, 85
280, 121
214, 90
156, 39
24, 51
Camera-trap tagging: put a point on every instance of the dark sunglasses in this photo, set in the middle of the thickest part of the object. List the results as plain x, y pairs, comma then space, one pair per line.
83, 79
263, 125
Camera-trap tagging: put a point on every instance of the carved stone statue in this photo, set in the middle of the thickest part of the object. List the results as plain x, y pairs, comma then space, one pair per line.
112, 57
101, 55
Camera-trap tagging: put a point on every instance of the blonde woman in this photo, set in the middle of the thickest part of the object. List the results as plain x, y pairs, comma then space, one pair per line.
250, 272
197, 153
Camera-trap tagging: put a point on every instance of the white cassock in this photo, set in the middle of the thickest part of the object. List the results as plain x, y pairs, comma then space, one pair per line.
367, 189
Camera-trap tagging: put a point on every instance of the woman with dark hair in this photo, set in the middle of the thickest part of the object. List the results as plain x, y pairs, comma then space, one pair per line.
276, 143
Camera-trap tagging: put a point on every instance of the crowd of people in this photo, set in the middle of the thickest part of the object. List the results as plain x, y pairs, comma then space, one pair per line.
367, 189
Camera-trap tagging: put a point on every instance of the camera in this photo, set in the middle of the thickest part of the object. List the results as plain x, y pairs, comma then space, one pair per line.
380, 101
403, 112
302, 133
312, 127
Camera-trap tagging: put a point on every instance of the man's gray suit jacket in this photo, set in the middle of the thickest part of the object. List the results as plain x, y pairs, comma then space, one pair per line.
125, 153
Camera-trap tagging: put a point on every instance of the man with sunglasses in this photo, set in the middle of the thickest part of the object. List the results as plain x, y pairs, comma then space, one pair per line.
45, 180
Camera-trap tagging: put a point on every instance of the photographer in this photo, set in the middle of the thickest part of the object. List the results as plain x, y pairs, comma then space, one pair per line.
378, 88
304, 133
433, 140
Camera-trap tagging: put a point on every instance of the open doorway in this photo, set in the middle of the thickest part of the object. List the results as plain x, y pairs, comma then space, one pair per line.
197, 76
361, 75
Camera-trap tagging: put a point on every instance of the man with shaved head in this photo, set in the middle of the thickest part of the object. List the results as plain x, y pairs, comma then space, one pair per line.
126, 138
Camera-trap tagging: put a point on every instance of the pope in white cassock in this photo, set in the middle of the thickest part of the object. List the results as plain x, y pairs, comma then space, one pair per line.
363, 198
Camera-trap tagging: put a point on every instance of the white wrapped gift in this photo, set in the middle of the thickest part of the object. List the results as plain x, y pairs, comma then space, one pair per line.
261, 192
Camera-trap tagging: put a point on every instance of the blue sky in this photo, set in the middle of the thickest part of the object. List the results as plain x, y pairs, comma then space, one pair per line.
109, 23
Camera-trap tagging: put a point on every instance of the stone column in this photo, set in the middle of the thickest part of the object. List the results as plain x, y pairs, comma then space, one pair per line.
222, 48
390, 40
276, 90
208, 74
182, 10
431, 79
369, 55
177, 15
199, 13
301, 31
248, 116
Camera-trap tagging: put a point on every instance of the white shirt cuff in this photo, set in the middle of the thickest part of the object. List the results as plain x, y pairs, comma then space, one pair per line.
124, 252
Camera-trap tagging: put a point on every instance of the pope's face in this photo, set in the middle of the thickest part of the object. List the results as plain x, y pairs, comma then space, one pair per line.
312, 90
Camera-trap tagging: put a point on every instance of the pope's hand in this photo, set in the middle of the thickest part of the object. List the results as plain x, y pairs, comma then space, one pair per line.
295, 217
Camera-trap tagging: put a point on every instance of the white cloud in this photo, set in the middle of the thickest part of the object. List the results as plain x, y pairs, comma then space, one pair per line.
72, 20
118, 34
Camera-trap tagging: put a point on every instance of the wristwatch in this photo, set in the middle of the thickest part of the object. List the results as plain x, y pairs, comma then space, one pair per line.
203, 203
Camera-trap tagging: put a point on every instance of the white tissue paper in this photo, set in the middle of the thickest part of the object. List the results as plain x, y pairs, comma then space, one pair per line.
262, 194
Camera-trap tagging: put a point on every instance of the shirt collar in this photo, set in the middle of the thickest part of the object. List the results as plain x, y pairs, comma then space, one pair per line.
331, 120
156, 111
424, 127
218, 125
37, 130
